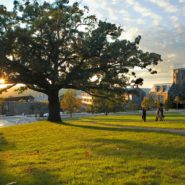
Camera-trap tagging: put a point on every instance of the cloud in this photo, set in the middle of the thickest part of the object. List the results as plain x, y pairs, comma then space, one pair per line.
145, 12
176, 24
115, 1
130, 34
165, 5
181, 1
102, 9
170, 57
95, 8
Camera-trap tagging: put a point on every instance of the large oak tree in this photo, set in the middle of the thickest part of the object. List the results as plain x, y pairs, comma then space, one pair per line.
51, 46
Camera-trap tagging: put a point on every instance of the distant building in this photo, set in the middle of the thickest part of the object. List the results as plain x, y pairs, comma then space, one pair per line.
179, 77
18, 98
134, 98
21, 105
168, 91
86, 99
137, 98
160, 92
38, 97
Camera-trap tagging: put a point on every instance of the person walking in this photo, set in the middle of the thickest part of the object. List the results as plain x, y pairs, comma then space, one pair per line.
160, 113
144, 114
144, 105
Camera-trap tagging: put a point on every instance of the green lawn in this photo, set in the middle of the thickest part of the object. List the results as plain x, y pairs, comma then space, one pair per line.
172, 120
93, 151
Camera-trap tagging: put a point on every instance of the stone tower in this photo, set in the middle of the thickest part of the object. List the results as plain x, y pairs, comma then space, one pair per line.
179, 76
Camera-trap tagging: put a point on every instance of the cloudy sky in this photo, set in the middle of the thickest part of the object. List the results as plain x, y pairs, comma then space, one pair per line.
161, 23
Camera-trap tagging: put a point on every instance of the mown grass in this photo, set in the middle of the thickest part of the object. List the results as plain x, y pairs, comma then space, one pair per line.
171, 120
85, 151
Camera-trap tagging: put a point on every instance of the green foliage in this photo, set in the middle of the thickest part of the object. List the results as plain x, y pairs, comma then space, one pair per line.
44, 46
89, 108
2, 107
22, 101
108, 102
177, 100
131, 105
167, 104
37, 107
70, 102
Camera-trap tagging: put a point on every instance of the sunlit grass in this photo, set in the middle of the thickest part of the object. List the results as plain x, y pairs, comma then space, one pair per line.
92, 151
174, 121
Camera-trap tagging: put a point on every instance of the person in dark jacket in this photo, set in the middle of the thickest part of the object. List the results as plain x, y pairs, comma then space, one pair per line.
144, 114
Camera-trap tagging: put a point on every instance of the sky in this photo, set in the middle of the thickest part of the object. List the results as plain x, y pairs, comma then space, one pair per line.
161, 24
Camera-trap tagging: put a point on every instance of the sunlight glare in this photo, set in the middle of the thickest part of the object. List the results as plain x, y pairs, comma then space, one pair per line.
2, 81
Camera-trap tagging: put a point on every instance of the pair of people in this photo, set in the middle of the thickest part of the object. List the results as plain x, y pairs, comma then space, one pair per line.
159, 113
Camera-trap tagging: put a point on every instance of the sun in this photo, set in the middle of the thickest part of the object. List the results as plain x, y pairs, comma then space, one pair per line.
2, 81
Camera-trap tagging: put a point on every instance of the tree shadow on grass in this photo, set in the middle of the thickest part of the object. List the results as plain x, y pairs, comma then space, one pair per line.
126, 148
133, 149
121, 128
32, 176
35, 176
130, 119
5, 178
107, 119
177, 115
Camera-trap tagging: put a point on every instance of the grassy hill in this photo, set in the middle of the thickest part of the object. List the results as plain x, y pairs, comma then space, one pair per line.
92, 151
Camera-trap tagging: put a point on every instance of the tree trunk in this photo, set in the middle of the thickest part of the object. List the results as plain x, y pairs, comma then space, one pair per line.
54, 107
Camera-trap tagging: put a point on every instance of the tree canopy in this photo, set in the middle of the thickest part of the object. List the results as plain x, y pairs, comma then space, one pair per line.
50, 46
108, 102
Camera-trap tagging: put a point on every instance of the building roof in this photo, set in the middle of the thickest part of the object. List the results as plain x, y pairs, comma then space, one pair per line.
182, 69
18, 98
164, 87
167, 84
